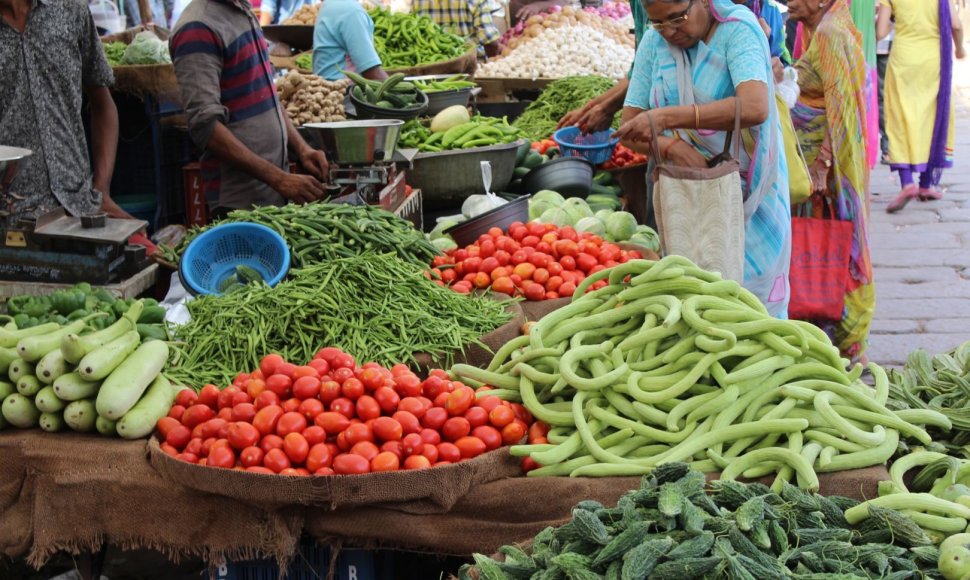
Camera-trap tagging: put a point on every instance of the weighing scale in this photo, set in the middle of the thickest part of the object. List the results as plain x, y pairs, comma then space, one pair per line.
59, 248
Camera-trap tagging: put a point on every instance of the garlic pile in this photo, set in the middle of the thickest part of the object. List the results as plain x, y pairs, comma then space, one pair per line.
311, 99
564, 51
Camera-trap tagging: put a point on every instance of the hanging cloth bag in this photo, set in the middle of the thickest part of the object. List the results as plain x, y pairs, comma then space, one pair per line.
819, 275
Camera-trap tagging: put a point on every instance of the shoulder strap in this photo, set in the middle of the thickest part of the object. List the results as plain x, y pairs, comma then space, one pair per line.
735, 134
655, 134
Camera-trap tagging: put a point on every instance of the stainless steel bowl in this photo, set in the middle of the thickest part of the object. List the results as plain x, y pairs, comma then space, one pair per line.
9, 158
355, 142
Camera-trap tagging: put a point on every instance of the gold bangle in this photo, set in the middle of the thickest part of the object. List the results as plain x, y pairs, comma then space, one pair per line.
697, 117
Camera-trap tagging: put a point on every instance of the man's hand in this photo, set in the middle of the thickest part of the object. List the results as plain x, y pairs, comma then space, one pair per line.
961, 52
638, 130
113, 210
315, 163
778, 68
300, 188
534, 8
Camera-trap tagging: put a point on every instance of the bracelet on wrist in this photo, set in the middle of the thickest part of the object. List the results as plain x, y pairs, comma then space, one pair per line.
666, 150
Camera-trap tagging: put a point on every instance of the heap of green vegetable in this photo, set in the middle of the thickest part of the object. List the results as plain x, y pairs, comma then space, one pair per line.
672, 529
669, 363
375, 306
391, 93
539, 120
457, 82
65, 306
318, 232
113, 52
941, 384
85, 379
407, 40
304, 61
477, 132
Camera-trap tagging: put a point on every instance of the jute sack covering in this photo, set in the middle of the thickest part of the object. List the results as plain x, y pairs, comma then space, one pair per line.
513, 511
157, 80
465, 64
479, 355
16, 497
85, 490
422, 491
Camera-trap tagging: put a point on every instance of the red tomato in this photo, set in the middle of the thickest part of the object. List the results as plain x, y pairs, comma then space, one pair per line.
315, 434
332, 422
501, 416
489, 264
387, 399
186, 398
567, 289
358, 432
368, 408
260, 469
291, 405
296, 447
352, 388
528, 464
431, 452
318, 457
225, 397
470, 447
412, 405
371, 378
310, 408
477, 417
276, 460
280, 384
385, 461
306, 387
342, 374
540, 276
251, 457
329, 392
242, 435
481, 280
266, 399
504, 285
176, 412
524, 271
490, 436
168, 449
290, 472
430, 436
343, 361
270, 442
166, 424
586, 262
270, 363
225, 414
267, 418
365, 449
221, 457
394, 447
188, 457
291, 422
513, 433
287, 369
521, 413
408, 385
344, 406
194, 447
435, 417
209, 396
319, 365
459, 401
179, 436
488, 402
411, 444
350, 464
534, 291
196, 415
241, 397
254, 387
417, 462
455, 428
448, 452
387, 429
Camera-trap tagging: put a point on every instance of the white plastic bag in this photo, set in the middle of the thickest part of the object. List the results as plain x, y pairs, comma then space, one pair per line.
788, 88
476, 205
175, 302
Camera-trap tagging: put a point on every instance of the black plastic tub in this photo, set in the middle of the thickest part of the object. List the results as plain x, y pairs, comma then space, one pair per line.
368, 111
569, 176
501, 217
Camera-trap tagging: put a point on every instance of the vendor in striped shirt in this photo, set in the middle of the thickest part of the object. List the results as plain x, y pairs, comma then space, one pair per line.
471, 19
234, 114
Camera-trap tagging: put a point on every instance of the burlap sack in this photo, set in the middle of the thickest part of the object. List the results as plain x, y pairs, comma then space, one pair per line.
16, 497
535, 309
465, 64
480, 355
423, 491
156, 80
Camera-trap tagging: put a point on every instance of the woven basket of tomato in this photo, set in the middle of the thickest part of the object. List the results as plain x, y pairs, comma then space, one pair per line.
336, 434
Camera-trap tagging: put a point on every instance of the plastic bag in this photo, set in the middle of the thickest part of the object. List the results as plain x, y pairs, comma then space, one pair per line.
146, 48
788, 88
476, 205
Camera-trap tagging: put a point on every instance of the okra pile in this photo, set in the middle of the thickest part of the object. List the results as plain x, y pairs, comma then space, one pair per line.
672, 528
669, 363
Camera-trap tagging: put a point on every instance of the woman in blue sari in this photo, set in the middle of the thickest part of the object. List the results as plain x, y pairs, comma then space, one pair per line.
707, 54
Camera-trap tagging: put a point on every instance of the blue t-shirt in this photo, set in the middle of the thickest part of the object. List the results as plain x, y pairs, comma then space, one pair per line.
343, 29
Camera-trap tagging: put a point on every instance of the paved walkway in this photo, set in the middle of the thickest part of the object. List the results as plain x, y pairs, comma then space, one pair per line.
922, 255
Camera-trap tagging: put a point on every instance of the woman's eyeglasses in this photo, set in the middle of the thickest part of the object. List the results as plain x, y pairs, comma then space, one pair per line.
676, 21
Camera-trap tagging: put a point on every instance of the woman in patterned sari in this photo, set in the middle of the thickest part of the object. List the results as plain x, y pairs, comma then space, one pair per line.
830, 121
707, 55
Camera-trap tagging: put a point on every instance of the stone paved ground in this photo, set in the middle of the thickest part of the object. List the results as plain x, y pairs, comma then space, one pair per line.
922, 255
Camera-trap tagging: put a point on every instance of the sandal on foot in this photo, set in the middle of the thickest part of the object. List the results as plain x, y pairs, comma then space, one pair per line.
930, 194
908, 194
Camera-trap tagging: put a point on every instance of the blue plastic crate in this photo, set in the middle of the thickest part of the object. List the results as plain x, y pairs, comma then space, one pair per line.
311, 563
595, 147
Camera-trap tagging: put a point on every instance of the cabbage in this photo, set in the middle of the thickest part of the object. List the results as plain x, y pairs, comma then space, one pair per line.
577, 209
448, 118
537, 208
603, 214
547, 196
444, 243
557, 216
146, 48
592, 225
478, 204
621, 226
646, 241
444, 224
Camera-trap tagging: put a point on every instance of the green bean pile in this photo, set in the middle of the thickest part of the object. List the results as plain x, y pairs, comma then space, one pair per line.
317, 232
671, 363
540, 119
407, 40
373, 306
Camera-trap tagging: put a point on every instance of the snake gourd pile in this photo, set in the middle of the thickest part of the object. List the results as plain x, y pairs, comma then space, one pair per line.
670, 363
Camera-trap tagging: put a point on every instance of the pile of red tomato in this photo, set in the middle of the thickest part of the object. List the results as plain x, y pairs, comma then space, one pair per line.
623, 157
334, 417
537, 261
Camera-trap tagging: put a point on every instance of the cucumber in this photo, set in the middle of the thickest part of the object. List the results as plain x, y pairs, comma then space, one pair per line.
33, 348
6, 389
106, 427
10, 338
47, 402
7, 356
52, 366
520, 172
75, 347
532, 160
28, 385
20, 411
19, 368
121, 391
51, 422
71, 387
141, 419
81, 415
98, 364
603, 189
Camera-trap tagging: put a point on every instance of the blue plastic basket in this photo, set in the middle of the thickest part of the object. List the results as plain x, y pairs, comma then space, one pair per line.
594, 147
214, 255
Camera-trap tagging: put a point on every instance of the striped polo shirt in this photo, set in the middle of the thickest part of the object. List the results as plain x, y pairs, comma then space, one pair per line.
222, 63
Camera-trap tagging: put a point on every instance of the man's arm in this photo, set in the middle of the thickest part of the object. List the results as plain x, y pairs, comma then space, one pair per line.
486, 31
357, 35
266, 11
312, 160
